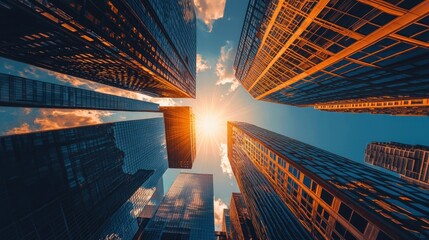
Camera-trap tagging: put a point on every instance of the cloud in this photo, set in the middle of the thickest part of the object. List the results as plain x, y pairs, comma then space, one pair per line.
56, 119
27, 111
202, 64
224, 162
8, 66
24, 128
29, 72
224, 69
219, 206
209, 11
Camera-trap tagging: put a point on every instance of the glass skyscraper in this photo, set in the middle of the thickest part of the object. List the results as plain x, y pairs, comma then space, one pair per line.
180, 135
226, 223
333, 197
271, 218
186, 212
410, 161
22, 92
80, 183
337, 55
142, 46
241, 227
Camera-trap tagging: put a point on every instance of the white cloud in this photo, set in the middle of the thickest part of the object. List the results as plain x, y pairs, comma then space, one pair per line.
202, 64
224, 161
219, 206
29, 72
224, 68
209, 11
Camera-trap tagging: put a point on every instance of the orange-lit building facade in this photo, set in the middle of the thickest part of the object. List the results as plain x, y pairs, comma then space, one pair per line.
335, 52
410, 161
180, 136
143, 46
240, 222
333, 197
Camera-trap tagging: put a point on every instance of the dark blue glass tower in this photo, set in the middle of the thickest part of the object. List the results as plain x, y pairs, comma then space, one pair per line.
142, 46
80, 183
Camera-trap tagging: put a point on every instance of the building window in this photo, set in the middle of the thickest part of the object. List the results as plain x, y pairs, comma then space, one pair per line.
327, 197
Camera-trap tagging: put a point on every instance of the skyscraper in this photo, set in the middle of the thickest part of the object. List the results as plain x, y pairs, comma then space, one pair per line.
180, 135
270, 217
365, 56
333, 197
241, 223
23, 92
226, 223
142, 46
65, 184
186, 212
410, 161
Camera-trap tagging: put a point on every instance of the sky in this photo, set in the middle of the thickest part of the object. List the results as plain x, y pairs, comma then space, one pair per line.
221, 98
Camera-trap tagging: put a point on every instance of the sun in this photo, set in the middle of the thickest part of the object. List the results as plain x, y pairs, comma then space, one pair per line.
208, 124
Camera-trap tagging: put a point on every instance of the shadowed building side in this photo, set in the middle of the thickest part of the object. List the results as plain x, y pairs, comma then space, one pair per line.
180, 136
410, 161
142, 46
24, 92
270, 217
226, 223
335, 54
65, 184
333, 197
241, 223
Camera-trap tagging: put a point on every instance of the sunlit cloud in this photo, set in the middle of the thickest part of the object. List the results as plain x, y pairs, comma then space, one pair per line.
27, 111
29, 72
50, 119
219, 206
224, 68
209, 11
224, 161
24, 128
202, 64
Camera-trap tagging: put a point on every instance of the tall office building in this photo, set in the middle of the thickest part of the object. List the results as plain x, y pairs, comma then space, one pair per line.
241, 223
80, 183
180, 135
22, 92
226, 223
410, 161
367, 54
186, 212
333, 197
270, 217
143, 46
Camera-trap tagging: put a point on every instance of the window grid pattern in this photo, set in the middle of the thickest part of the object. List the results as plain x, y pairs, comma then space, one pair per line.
65, 184
288, 65
331, 180
186, 212
119, 43
410, 161
22, 92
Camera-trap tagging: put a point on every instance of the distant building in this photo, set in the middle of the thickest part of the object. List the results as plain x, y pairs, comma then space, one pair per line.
143, 46
344, 56
24, 92
186, 212
410, 161
180, 135
241, 223
226, 223
220, 235
333, 197
82, 182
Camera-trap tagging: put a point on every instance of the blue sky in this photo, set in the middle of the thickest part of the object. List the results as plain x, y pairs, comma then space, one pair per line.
219, 95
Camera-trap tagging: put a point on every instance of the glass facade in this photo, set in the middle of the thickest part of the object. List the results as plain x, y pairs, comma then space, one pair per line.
186, 212
23, 92
65, 184
271, 218
333, 197
410, 161
312, 52
143, 46
180, 135
241, 223
226, 223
